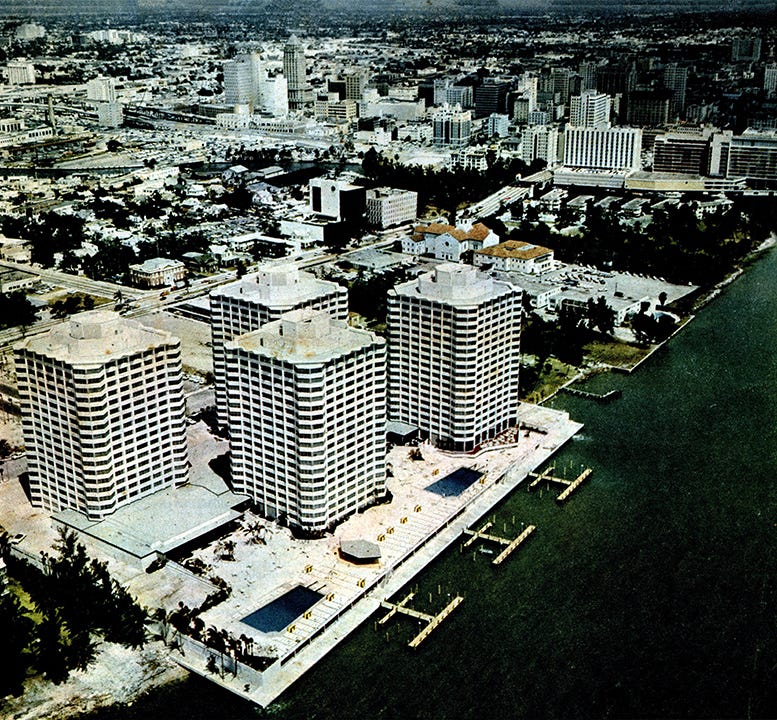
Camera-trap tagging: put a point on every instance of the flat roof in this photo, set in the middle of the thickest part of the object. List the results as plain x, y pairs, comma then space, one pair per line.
305, 336
160, 522
95, 338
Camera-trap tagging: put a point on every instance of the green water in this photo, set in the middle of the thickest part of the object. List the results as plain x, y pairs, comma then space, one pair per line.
651, 593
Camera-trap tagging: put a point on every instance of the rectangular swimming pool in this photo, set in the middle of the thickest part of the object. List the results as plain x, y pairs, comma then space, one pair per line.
455, 483
282, 611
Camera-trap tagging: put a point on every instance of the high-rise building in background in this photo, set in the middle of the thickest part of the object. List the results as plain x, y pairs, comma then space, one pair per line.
746, 49
101, 89
295, 72
491, 97
103, 413
539, 142
244, 306
306, 407
244, 77
454, 355
770, 79
648, 108
20, 72
603, 148
587, 72
589, 109
452, 126
675, 80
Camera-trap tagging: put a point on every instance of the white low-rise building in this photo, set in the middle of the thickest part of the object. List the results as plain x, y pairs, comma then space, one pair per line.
157, 272
389, 206
515, 255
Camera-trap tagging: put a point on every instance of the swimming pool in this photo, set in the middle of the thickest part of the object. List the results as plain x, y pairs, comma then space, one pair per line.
455, 483
282, 611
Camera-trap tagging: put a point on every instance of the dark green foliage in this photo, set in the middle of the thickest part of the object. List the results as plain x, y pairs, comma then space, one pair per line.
16, 629
49, 233
110, 262
16, 310
442, 188
367, 295
675, 245
77, 598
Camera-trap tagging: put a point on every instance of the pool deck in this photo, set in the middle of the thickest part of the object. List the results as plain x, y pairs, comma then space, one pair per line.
411, 531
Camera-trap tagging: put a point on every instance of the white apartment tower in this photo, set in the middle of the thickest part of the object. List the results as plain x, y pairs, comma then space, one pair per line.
307, 418
244, 306
770, 79
603, 148
101, 89
454, 353
103, 413
589, 109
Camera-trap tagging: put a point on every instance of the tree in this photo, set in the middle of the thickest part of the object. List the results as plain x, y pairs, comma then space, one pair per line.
16, 629
600, 316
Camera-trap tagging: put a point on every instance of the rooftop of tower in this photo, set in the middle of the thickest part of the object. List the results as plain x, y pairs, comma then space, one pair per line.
96, 338
456, 285
277, 286
306, 336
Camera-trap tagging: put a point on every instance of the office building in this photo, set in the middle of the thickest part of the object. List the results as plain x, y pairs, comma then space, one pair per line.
648, 108
454, 347
491, 97
753, 155
306, 403
587, 72
244, 306
682, 153
20, 72
103, 413
110, 114
336, 199
387, 207
244, 76
589, 109
539, 142
295, 72
603, 148
452, 126
157, 272
675, 81
498, 125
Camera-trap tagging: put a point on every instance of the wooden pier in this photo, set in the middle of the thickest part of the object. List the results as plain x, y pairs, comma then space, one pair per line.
432, 621
600, 398
570, 485
509, 545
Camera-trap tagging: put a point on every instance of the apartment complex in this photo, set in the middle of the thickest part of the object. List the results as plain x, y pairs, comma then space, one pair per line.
103, 413
603, 148
244, 306
454, 345
306, 403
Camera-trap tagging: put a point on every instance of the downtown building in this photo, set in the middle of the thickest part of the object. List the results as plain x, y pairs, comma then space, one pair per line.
103, 413
306, 407
589, 109
244, 306
602, 148
295, 72
452, 126
387, 207
454, 356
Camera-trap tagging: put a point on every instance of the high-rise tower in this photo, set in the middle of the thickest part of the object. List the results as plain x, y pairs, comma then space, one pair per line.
103, 413
294, 69
454, 347
306, 401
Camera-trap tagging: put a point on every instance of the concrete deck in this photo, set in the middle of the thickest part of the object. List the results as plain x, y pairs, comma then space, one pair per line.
411, 531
